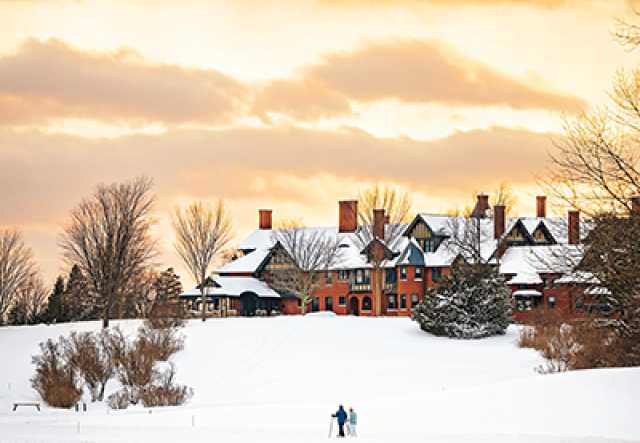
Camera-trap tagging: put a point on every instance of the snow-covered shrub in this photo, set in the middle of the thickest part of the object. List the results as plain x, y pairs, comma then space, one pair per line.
164, 392
119, 400
167, 314
162, 343
472, 302
90, 355
55, 380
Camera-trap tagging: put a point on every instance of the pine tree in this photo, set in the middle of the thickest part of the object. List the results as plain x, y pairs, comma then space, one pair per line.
78, 303
54, 304
167, 286
473, 302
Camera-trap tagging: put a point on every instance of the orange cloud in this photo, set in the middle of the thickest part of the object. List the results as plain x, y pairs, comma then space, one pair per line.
50, 80
299, 172
428, 72
303, 100
46, 80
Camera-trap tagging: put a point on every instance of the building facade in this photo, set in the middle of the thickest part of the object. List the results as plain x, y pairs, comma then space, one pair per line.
536, 255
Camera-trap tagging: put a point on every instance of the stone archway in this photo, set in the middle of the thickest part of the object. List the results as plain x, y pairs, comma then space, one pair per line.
354, 306
248, 304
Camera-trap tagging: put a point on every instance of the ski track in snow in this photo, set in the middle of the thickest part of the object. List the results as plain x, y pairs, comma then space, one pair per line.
279, 379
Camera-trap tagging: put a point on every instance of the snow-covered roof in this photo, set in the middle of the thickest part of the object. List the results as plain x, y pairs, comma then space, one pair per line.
578, 277
234, 287
246, 264
552, 259
525, 278
527, 260
527, 293
597, 290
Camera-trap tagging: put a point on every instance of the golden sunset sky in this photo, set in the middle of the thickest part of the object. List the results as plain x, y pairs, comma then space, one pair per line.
290, 105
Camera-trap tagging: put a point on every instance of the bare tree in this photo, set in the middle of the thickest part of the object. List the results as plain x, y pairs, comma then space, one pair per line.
30, 301
17, 266
397, 211
301, 257
467, 237
202, 233
503, 196
109, 239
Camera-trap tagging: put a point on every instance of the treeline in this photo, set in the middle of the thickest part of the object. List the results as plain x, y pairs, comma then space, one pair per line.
109, 249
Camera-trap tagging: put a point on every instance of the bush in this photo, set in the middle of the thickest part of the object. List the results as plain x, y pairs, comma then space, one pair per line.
119, 400
90, 355
135, 368
473, 302
162, 343
567, 343
96, 358
55, 379
167, 315
164, 392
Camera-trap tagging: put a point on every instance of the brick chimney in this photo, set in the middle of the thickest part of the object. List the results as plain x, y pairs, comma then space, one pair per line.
482, 206
635, 205
499, 212
347, 215
541, 206
378, 223
264, 219
574, 227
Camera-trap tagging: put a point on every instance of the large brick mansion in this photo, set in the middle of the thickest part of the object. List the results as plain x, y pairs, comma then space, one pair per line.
528, 251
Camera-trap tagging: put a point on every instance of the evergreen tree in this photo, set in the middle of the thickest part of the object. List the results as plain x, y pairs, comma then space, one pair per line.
78, 301
167, 286
473, 302
54, 304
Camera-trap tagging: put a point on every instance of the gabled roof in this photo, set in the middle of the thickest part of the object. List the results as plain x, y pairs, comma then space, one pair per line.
411, 255
235, 287
249, 263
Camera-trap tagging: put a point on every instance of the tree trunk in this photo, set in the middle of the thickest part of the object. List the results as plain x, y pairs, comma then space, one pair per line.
377, 290
204, 302
105, 316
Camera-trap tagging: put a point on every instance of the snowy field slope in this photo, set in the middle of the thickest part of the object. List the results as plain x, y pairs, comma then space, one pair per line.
278, 380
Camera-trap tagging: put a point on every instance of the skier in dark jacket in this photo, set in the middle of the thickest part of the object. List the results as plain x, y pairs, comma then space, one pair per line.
341, 415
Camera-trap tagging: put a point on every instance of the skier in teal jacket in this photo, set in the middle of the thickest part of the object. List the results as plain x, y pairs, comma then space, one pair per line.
353, 423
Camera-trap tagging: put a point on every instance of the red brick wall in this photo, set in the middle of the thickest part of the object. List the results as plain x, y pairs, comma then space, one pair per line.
408, 287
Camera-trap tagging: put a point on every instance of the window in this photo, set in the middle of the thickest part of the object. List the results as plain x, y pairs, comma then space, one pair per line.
328, 279
430, 245
328, 303
360, 276
343, 275
366, 304
419, 274
342, 301
414, 300
390, 275
403, 301
315, 304
551, 302
579, 304
436, 274
393, 301
403, 273
548, 282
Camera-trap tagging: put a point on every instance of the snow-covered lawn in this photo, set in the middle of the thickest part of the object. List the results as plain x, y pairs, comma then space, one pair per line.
279, 379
